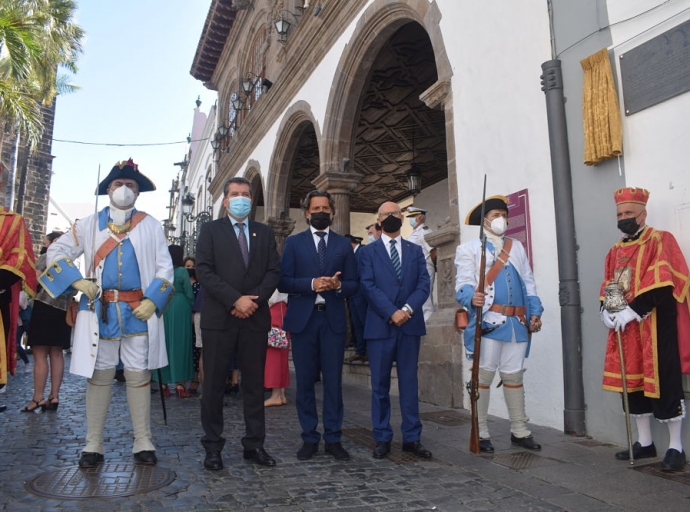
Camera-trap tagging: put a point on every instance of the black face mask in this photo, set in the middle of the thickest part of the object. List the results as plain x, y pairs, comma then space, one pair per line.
320, 220
391, 224
628, 226
192, 272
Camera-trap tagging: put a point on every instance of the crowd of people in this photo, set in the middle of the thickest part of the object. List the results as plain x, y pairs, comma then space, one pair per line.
228, 318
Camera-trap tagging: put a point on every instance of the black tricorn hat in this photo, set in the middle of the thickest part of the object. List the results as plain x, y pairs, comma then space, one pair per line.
126, 170
492, 203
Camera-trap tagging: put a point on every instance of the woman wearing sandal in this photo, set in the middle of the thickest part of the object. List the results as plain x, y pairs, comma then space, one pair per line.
50, 335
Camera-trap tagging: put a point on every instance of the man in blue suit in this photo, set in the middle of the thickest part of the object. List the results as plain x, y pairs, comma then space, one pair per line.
396, 284
318, 271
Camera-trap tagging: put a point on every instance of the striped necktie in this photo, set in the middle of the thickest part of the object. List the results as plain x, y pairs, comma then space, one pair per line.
395, 259
242, 240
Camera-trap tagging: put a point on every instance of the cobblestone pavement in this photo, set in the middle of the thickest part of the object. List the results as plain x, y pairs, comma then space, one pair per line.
569, 473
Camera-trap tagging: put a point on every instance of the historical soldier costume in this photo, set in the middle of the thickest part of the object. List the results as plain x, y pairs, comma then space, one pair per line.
512, 311
16, 270
120, 315
417, 219
651, 270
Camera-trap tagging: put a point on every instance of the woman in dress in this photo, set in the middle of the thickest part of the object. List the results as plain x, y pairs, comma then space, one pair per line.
50, 335
177, 319
276, 370
190, 265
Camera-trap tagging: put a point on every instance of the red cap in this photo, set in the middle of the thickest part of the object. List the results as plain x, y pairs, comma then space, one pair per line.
631, 195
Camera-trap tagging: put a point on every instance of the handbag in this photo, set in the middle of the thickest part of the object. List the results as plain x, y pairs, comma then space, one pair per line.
277, 338
462, 319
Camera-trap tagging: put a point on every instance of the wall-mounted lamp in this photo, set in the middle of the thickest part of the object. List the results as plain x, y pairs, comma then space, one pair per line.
414, 180
188, 204
283, 24
215, 144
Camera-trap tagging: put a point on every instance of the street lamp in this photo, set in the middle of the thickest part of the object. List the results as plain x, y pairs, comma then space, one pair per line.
414, 180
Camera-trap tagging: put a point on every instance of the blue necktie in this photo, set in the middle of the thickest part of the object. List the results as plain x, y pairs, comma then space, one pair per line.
321, 249
395, 259
242, 240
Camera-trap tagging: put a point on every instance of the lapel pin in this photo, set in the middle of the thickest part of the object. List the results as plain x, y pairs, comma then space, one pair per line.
253, 234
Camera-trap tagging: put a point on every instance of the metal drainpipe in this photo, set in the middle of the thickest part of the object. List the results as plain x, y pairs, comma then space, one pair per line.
569, 287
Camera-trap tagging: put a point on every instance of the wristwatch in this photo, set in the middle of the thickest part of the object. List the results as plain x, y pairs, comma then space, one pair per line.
407, 309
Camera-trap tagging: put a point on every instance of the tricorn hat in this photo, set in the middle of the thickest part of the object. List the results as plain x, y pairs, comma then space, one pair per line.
413, 211
492, 203
354, 239
631, 195
125, 170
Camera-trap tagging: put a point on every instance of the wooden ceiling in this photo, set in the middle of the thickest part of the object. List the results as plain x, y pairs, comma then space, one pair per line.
391, 122
219, 20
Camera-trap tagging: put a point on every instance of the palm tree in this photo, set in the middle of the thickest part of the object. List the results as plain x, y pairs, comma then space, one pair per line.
37, 37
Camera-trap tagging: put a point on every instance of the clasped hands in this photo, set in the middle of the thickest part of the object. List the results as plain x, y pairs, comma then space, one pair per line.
245, 306
619, 319
325, 283
400, 317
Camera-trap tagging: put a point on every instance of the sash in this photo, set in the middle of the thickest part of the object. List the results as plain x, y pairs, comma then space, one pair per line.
111, 242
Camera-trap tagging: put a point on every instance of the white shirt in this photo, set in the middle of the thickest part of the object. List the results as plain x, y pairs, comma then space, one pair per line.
387, 244
316, 238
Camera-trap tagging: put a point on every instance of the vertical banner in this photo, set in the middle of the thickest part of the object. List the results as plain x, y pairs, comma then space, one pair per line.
519, 226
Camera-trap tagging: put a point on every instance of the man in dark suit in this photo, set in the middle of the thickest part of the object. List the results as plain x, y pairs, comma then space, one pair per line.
239, 268
395, 282
357, 305
319, 272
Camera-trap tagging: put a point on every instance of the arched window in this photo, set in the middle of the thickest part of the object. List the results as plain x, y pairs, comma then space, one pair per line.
256, 66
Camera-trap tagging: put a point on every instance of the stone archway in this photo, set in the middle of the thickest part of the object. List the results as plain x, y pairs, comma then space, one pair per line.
294, 164
389, 27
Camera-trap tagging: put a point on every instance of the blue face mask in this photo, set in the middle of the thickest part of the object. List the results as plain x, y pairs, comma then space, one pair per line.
413, 222
372, 239
240, 206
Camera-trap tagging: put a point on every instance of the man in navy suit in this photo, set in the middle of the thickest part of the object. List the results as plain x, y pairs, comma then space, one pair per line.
318, 271
396, 283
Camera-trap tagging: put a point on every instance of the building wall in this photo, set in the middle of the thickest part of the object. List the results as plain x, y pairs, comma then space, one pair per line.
653, 157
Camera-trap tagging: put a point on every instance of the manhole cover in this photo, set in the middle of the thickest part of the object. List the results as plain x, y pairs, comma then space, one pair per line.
104, 481
364, 437
522, 460
448, 418
654, 469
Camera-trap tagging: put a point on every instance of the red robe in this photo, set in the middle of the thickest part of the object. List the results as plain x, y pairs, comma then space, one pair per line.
652, 261
16, 256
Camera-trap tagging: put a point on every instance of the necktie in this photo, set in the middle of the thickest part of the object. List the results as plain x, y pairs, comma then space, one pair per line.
395, 259
321, 249
242, 240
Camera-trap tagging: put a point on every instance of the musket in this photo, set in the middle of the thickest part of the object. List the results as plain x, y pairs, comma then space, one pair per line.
473, 385
92, 270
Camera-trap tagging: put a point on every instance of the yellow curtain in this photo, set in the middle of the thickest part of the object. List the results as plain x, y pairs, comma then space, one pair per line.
600, 111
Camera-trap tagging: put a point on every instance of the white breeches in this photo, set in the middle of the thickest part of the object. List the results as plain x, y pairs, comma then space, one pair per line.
133, 352
502, 356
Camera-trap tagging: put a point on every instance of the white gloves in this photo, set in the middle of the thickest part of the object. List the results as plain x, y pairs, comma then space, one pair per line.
88, 288
145, 310
607, 318
623, 318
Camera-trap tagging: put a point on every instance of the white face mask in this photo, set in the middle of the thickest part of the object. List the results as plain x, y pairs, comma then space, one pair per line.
498, 225
123, 197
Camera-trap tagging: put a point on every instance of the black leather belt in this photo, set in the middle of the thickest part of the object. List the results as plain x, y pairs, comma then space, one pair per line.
320, 307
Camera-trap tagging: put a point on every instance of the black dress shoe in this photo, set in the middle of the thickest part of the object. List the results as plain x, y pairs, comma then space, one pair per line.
417, 448
337, 450
3, 408
259, 456
145, 458
639, 452
382, 449
307, 451
526, 442
213, 461
673, 461
485, 446
90, 459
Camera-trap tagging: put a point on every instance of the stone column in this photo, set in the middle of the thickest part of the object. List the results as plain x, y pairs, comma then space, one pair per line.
282, 229
339, 185
442, 357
